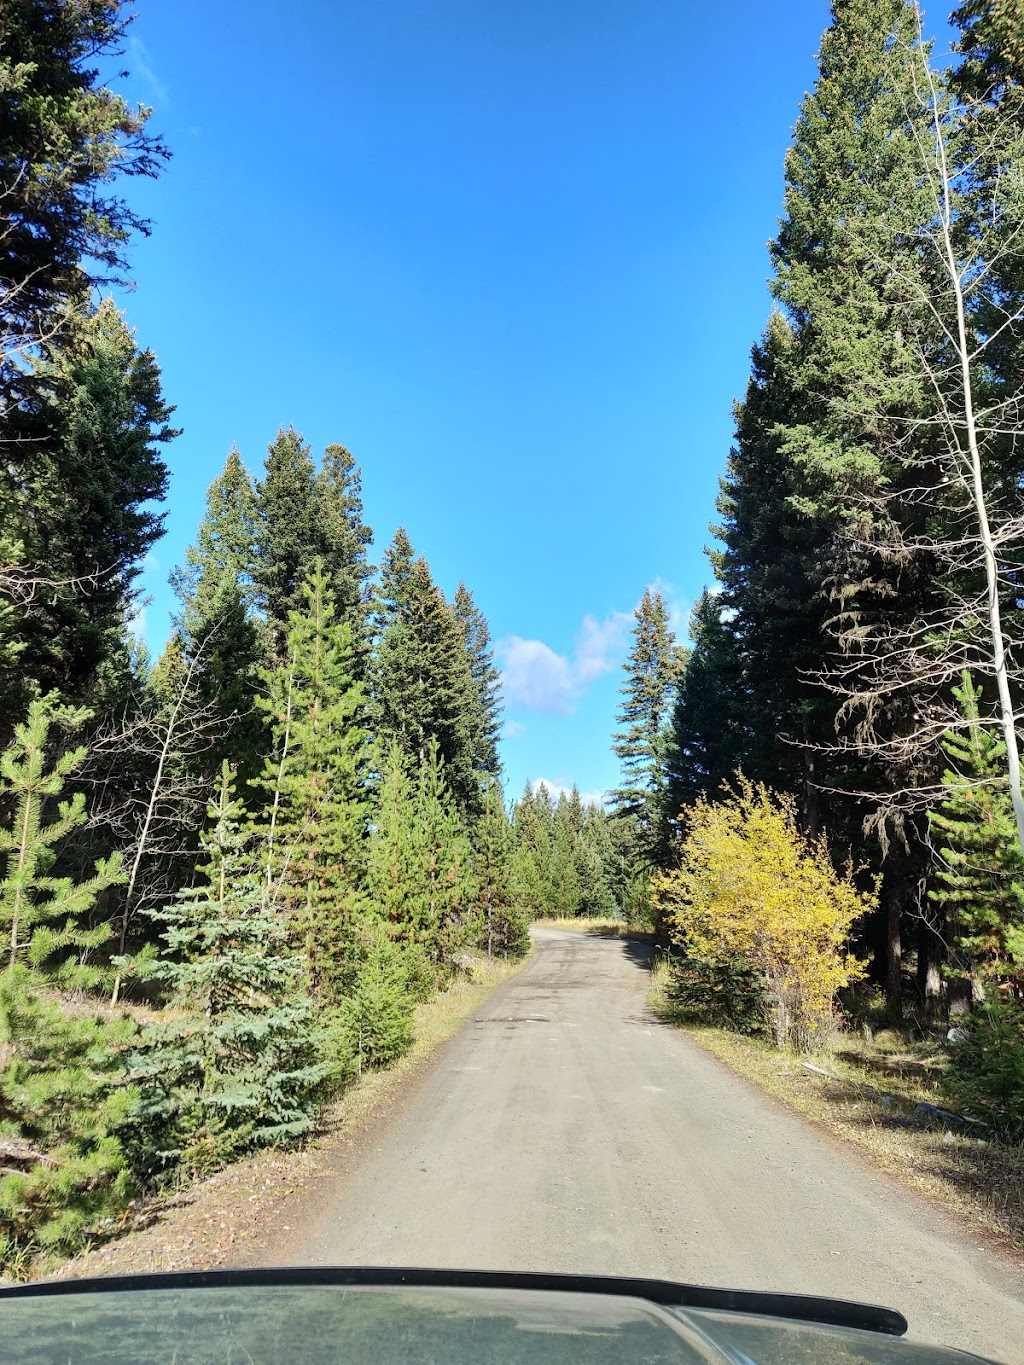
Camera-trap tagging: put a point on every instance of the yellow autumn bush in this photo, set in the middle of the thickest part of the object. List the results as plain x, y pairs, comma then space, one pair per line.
749, 885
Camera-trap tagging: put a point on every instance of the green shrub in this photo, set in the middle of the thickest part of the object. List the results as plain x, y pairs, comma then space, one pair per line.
725, 992
986, 1077
377, 1013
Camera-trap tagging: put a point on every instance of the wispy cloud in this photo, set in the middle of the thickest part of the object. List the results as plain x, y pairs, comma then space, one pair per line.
142, 66
512, 729
537, 677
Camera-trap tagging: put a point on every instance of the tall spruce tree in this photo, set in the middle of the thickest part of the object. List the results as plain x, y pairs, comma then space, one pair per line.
343, 539
842, 397
485, 714
66, 139
286, 535
84, 514
652, 677
711, 735
215, 587
505, 928
423, 687
316, 806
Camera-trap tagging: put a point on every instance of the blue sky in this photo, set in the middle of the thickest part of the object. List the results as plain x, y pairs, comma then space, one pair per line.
512, 255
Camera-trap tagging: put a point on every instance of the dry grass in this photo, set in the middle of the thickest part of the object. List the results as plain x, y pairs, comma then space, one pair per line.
871, 1104
597, 927
235, 1216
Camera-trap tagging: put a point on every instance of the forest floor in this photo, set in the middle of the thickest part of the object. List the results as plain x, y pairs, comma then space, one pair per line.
223, 1221
868, 1097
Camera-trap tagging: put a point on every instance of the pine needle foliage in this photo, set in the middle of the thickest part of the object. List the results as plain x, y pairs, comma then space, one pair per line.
44, 917
506, 925
63, 1099
377, 1012
315, 783
981, 871
420, 872
652, 670
234, 1064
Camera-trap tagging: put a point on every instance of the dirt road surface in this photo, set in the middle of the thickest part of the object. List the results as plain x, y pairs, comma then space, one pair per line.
566, 1129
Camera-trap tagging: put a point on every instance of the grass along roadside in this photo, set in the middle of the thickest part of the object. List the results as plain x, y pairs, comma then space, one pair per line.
234, 1217
869, 1099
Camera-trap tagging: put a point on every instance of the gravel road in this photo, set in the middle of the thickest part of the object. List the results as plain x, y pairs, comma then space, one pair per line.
566, 1129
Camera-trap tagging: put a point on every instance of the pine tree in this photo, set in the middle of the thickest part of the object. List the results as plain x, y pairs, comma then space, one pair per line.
420, 873
505, 928
286, 534
216, 590
447, 891
710, 733
343, 539
234, 1065
63, 1100
377, 1012
423, 689
392, 857
65, 140
45, 918
981, 872
84, 514
485, 715
533, 858
652, 673
315, 781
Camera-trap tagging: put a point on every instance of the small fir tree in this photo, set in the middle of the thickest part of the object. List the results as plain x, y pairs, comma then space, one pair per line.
505, 930
981, 872
44, 917
235, 1063
315, 780
63, 1099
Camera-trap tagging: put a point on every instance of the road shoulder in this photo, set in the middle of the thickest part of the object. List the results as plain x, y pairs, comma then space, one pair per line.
245, 1214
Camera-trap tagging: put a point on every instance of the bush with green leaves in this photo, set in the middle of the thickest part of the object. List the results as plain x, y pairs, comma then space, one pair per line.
727, 992
62, 1100
986, 1075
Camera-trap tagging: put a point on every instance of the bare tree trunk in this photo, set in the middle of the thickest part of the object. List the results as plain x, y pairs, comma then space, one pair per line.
965, 355
156, 791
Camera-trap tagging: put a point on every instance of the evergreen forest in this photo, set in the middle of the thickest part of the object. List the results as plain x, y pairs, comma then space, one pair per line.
230, 873
821, 797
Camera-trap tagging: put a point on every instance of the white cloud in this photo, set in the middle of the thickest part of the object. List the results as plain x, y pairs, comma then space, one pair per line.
557, 789
535, 676
512, 729
600, 645
142, 67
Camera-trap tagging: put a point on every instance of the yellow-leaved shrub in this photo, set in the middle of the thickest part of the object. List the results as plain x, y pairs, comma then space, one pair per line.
749, 885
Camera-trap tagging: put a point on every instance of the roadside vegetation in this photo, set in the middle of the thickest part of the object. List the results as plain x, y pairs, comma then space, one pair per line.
821, 789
